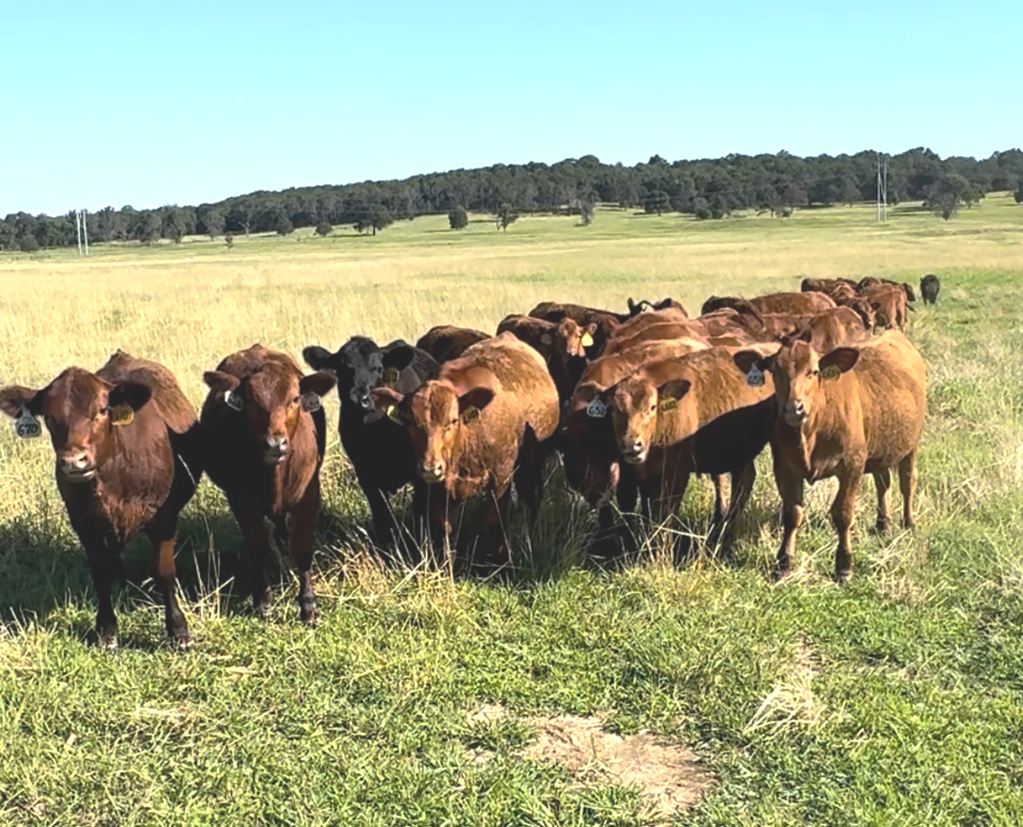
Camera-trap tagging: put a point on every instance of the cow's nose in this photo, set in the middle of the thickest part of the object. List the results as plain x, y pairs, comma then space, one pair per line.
432, 471
633, 450
77, 465
277, 448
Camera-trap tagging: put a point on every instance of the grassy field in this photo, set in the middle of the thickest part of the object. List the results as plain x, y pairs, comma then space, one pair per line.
895, 700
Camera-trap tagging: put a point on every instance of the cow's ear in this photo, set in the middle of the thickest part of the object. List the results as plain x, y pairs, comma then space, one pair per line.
131, 394
319, 383
745, 359
674, 389
841, 359
633, 310
317, 357
217, 380
388, 401
15, 398
477, 398
399, 355
588, 392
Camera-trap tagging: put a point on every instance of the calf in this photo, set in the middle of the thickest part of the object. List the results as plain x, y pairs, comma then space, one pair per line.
644, 306
849, 412
606, 321
826, 286
929, 287
446, 342
128, 460
702, 417
265, 435
889, 305
792, 303
562, 346
482, 423
378, 447
873, 281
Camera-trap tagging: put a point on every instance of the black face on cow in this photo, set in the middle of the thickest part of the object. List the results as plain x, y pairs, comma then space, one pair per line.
361, 365
270, 403
81, 412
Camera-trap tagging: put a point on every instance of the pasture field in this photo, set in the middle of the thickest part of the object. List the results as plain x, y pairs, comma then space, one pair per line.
897, 699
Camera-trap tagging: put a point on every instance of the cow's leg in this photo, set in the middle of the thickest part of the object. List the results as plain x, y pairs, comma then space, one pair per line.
883, 483
419, 511
300, 548
790, 487
162, 535
383, 520
498, 509
529, 485
103, 567
440, 525
742, 488
720, 499
257, 549
843, 512
907, 485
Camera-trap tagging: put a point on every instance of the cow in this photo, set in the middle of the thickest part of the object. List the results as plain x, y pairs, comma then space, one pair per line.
129, 457
851, 411
793, 303
446, 342
484, 422
701, 417
826, 330
809, 285
873, 281
561, 344
265, 434
606, 321
889, 305
379, 448
654, 325
644, 306
929, 287
586, 438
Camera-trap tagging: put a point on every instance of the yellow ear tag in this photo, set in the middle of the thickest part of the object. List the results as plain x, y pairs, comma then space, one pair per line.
470, 415
831, 372
587, 340
390, 377
547, 339
668, 404
121, 415
393, 415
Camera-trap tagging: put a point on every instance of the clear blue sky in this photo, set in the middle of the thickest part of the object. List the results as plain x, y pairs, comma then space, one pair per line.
182, 102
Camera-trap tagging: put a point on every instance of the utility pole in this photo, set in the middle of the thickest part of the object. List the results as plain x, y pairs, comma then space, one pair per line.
78, 229
85, 230
882, 189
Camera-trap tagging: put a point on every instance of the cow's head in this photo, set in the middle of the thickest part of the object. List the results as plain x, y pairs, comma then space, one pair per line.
270, 403
798, 373
361, 365
865, 311
587, 444
571, 338
81, 412
436, 416
636, 405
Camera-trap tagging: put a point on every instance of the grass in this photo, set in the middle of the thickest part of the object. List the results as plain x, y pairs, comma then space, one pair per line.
897, 699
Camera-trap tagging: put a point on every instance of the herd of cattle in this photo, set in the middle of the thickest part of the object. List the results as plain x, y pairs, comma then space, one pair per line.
634, 404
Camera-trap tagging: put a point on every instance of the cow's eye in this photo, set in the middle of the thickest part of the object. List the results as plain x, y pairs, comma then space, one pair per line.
814, 373
101, 414
453, 422
296, 400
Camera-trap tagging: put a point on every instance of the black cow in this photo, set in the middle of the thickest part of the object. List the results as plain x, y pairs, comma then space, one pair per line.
929, 287
380, 449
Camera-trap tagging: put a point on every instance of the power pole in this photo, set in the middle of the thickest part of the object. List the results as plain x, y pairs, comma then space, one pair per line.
85, 230
78, 229
882, 189
884, 202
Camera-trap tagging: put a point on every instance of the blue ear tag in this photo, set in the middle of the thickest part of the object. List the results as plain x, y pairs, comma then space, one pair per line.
233, 400
754, 377
27, 426
596, 409
311, 402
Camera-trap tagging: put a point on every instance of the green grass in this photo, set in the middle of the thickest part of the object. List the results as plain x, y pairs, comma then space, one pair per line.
897, 699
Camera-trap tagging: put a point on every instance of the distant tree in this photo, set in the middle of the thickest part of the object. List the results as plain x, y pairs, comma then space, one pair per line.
147, 226
703, 212
656, 201
1019, 195
282, 224
458, 218
28, 244
174, 224
586, 208
505, 216
324, 228
944, 195
229, 240
213, 223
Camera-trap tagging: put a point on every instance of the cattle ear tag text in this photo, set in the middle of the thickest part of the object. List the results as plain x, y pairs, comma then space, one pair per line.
754, 377
121, 414
831, 372
596, 409
470, 415
391, 378
27, 426
233, 400
311, 402
547, 339
668, 404
393, 414
587, 340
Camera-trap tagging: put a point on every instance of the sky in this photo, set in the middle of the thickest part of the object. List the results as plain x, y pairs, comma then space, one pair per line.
184, 102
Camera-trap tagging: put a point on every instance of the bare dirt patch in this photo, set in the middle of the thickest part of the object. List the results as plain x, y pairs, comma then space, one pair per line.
670, 777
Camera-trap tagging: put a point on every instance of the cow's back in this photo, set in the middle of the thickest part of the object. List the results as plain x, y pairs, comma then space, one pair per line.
173, 405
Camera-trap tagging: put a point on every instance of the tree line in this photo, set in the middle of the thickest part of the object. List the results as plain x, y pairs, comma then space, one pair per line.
706, 188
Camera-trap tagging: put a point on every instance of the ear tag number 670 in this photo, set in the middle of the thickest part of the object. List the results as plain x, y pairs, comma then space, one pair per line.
27, 426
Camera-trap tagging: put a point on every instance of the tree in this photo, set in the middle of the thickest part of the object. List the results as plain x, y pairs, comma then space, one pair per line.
586, 207
282, 224
147, 226
375, 217
28, 244
944, 195
505, 216
174, 224
213, 223
229, 240
324, 228
1019, 195
458, 218
656, 201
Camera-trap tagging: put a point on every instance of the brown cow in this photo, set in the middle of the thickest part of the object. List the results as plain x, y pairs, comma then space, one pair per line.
446, 342
128, 460
825, 330
826, 286
562, 345
702, 417
605, 320
873, 281
793, 303
889, 305
483, 422
265, 434
654, 325
850, 412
